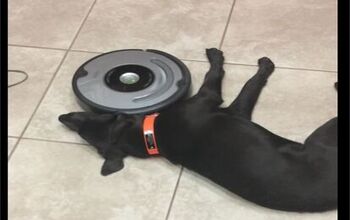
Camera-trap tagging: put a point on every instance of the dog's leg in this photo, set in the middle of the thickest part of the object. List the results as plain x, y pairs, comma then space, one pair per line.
326, 135
244, 104
210, 91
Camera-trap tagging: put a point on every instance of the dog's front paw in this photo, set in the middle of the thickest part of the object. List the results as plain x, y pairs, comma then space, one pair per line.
215, 55
265, 62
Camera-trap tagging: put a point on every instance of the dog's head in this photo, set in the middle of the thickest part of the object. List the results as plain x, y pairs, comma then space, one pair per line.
102, 131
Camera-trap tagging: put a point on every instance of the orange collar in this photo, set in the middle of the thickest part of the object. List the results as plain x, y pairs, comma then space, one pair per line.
148, 134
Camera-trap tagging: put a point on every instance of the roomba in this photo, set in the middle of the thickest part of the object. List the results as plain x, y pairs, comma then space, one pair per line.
131, 81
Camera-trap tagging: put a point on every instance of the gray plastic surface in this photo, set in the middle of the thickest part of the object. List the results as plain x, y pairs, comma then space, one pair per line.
166, 75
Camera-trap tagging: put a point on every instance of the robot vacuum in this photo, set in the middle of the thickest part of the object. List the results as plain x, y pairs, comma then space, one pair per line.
131, 81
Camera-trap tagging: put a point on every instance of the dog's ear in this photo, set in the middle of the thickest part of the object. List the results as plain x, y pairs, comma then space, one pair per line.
114, 142
112, 165
114, 154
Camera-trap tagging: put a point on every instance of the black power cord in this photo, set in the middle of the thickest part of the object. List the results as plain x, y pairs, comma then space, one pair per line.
17, 83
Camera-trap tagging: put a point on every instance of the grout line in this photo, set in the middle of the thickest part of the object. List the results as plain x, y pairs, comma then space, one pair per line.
13, 149
284, 67
52, 141
54, 48
37, 47
174, 193
183, 59
82, 24
227, 24
40, 101
11, 136
51, 81
85, 51
256, 65
193, 60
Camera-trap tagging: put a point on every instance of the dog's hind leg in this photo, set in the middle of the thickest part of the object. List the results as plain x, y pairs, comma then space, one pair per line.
210, 92
326, 135
244, 104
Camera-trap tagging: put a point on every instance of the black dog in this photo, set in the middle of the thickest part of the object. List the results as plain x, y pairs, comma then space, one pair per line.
224, 145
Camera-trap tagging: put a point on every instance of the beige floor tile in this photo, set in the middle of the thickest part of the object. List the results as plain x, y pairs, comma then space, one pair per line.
198, 198
46, 23
40, 65
59, 181
11, 144
181, 29
60, 99
294, 33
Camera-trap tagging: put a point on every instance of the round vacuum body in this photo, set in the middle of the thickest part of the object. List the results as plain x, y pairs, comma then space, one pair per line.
131, 81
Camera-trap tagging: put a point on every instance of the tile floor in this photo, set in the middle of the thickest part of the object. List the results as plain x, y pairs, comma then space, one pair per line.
53, 174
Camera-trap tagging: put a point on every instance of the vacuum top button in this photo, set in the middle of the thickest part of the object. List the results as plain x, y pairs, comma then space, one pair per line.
129, 78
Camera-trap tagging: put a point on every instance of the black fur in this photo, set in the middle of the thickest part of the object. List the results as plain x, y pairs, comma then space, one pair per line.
224, 145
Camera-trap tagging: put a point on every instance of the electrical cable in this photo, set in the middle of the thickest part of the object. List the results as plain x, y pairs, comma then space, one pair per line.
17, 83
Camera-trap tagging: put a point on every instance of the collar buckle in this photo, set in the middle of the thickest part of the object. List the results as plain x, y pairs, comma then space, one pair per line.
148, 134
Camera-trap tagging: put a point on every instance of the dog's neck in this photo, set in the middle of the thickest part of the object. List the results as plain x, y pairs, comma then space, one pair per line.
132, 139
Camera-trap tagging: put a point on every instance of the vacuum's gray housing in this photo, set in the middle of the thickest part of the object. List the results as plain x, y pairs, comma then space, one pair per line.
171, 82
